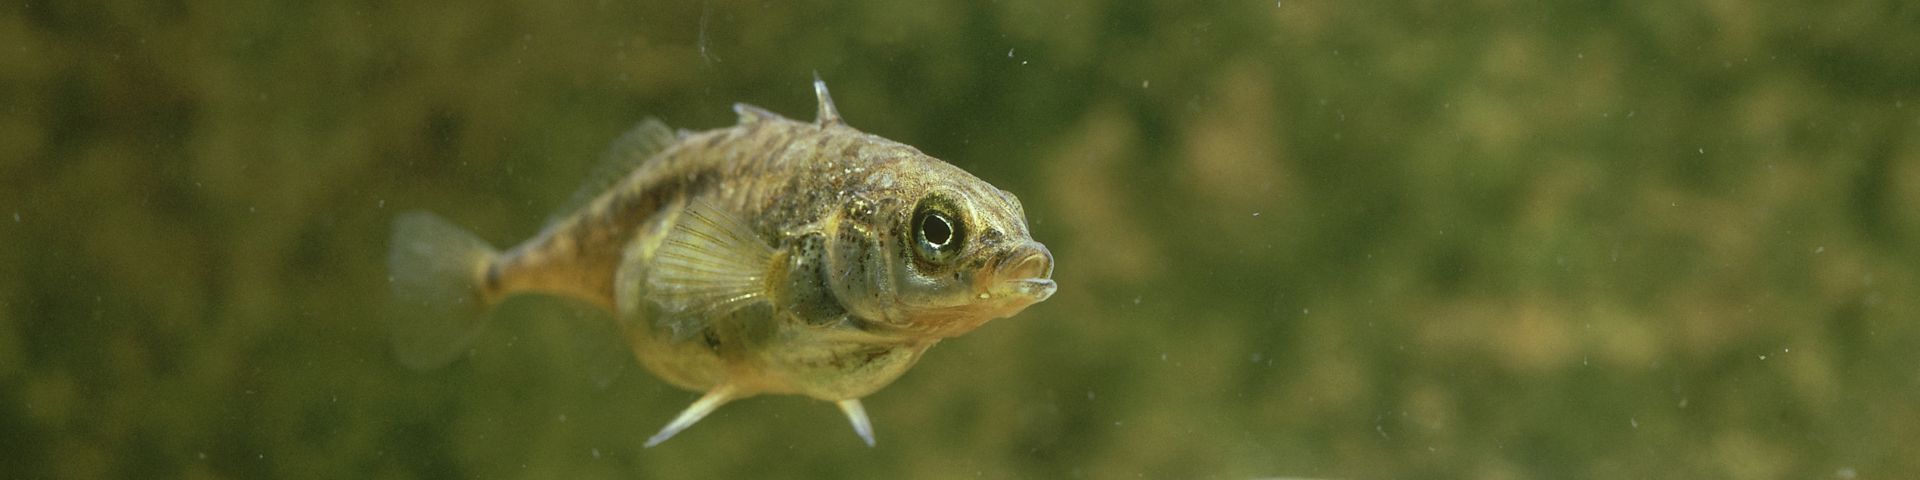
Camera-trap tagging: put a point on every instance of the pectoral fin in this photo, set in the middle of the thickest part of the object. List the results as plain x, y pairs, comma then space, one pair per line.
706, 404
710, 264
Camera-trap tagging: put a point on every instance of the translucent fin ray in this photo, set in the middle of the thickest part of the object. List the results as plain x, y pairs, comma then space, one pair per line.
434, 271
627, 153
709, 265
828, 115
705, 405
857, 415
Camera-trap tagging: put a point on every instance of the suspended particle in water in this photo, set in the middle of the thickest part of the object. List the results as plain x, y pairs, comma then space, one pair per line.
706, 11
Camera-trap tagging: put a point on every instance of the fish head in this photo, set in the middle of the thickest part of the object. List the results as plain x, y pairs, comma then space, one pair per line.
941, 252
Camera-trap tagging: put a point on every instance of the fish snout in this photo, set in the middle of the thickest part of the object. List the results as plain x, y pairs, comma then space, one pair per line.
1027, 271
1031, 261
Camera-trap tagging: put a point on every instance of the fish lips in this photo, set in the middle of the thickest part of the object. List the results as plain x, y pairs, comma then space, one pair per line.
1024, 275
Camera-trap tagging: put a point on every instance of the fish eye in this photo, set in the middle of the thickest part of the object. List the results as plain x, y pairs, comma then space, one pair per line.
937, 233
936, 230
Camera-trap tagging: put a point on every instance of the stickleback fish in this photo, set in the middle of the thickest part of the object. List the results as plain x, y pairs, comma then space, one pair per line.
769, 257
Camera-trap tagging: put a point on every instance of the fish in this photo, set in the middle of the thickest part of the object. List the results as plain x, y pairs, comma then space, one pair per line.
771, 257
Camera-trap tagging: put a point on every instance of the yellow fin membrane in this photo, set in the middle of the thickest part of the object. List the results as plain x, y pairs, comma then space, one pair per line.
434, 269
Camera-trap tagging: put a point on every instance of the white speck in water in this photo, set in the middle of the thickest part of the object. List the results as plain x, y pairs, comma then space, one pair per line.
1090, 395
984, 296
1304, 311
1763, 356
596, 453
563, 418
1145, 83
1023, 62
1136, 299
1703, 151
1635, 422
1256, 214
1818, 250
1163, 356
383, 203
1846, 474
1255, 358
1009, 53
1683, 402
202, 455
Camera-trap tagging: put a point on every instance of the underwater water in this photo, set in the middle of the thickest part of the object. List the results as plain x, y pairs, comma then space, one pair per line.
1485, 239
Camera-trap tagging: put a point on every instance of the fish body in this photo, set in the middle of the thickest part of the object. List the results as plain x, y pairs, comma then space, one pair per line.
769, 257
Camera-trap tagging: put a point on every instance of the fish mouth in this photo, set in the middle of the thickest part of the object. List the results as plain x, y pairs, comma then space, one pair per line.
1013, 281
1025, 273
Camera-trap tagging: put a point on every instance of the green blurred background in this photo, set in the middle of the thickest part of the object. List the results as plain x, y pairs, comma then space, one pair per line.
1484, 239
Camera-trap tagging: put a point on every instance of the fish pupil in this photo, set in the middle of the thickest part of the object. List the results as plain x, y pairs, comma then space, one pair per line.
936, 230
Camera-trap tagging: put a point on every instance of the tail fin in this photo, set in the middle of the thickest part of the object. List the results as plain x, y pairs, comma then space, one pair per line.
435, 269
